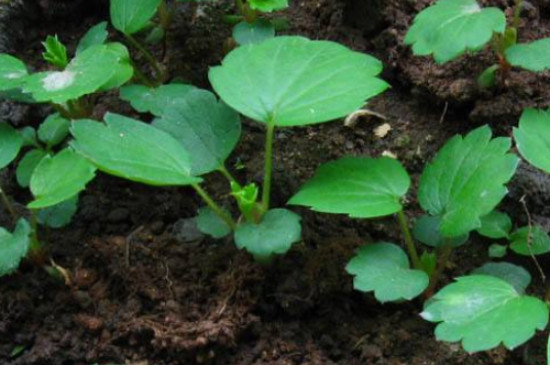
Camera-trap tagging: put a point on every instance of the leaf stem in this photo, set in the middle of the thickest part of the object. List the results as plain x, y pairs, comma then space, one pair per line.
517, 13
148, 56
223, 170
268, 167
215, 207
36, 249
407, 236
445, 254
7, 204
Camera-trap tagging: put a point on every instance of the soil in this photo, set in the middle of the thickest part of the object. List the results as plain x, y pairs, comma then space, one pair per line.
147, 289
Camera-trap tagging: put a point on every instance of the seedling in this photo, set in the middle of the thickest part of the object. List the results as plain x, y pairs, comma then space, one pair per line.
95, 67
434, 32
252, 28
197, 132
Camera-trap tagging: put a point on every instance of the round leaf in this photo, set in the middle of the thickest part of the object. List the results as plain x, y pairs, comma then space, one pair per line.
534, 56
94, 36
357, 186
514, 275
209, 223
451, 27
206, 127
130, 16
275, 234
465, 181
384, 268
53, 130
12, 72
10, 144
14, 247
484, 311
495, 225
427, 229
253, 33
26, 166
530, 241
154, 101
133, 150
533, 138
292, 81
59, 178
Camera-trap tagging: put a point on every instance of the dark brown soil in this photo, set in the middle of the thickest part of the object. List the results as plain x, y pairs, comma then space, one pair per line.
146, 289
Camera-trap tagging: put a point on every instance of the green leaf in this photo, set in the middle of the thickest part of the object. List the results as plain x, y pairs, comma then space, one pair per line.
497, 251
514, 275
275, 234
384, 268
27, 165
29, 136
465, 181
495, 225
156, 35
358, 186
427, 229
12, 72
322, 81
53, 130
209, 223
56, 52
533, 138
85, 74
123, 66
59, 178
130, 16
267, 6
10, 144
95, 35
206, 127
253, 33
143, 153
14, 247
428, 262
488, 77
451, 27
534, 56
484, 311
530, 241
154, 101
59, 215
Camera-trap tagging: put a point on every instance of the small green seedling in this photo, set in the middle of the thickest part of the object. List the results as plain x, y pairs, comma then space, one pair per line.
197, 132
252, 28
459, 191
434, 32
95, 67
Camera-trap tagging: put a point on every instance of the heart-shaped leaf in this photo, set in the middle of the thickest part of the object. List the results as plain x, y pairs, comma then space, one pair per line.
275, 234
59, 178
495, 225
154, 101
53, 130
58, 215
253, 33
209, 223
357, 186
484, 311
27, 165
14, 247
465, 181
94, 36
292, 81
130, 16
85, 74
10, 144
12, 72
534, 56
533, 138
384, 268
530, 241
268, 5
143, 153
427, 229
514, 275
206, 127
451, 27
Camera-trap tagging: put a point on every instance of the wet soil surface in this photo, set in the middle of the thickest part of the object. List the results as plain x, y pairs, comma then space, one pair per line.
148, 289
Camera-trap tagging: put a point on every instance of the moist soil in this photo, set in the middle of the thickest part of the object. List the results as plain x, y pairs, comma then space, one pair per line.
146, 288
